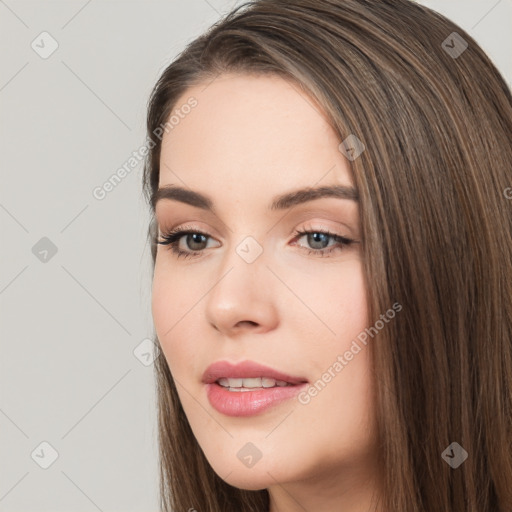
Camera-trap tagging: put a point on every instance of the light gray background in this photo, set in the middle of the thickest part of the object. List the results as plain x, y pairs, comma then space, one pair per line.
69, 325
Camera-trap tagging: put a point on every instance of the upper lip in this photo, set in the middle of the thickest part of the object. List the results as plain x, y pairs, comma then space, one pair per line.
245, 370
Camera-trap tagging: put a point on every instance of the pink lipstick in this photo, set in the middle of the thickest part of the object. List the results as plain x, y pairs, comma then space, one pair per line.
248, 388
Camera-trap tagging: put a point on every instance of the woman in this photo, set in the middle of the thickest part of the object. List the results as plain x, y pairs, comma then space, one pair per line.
332, 250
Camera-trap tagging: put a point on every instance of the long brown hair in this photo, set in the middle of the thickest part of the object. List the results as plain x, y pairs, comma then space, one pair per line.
435, 117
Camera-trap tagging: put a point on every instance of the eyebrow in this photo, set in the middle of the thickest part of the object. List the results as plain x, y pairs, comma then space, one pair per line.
281, 202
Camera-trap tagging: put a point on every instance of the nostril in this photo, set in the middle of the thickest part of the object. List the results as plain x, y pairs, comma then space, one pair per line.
250, 322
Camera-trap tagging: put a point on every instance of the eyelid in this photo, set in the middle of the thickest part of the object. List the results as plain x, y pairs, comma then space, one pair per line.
184, 227
309, 227
348, 228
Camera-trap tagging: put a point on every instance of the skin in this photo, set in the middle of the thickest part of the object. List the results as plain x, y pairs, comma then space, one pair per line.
249, 139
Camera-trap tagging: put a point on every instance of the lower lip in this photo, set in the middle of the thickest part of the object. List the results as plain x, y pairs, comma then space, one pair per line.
249, 403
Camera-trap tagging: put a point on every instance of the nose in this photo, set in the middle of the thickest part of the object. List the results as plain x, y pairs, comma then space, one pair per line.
243, 295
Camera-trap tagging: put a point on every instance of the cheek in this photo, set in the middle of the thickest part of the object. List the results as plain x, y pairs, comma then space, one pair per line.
171, 300
347, 299
337, 300
172, 295
162, 302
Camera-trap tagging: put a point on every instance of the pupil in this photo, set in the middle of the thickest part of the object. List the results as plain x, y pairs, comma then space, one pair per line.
196, 238
315, 237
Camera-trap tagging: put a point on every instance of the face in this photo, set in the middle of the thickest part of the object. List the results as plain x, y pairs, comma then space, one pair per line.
248, 286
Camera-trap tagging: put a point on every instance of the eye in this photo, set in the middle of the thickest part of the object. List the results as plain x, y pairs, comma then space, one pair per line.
194, 238
197, 241
319, 239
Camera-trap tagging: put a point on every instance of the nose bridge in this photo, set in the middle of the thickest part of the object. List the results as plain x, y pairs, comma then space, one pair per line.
241, 292
243, 265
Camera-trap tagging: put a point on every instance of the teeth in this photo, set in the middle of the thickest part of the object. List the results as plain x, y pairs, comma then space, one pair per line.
267, 382
252, 383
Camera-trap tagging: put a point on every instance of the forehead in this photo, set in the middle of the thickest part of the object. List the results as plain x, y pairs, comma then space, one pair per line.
251, 134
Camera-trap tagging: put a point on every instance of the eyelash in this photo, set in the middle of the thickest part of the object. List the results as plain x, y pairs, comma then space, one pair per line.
172, 238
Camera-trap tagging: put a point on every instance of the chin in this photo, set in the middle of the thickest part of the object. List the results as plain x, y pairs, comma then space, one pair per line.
248, 480
263, 474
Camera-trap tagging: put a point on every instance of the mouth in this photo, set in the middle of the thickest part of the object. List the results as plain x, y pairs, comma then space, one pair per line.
248, 388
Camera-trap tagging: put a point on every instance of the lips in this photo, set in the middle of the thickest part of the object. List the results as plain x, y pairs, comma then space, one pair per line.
246, 370
222, 380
